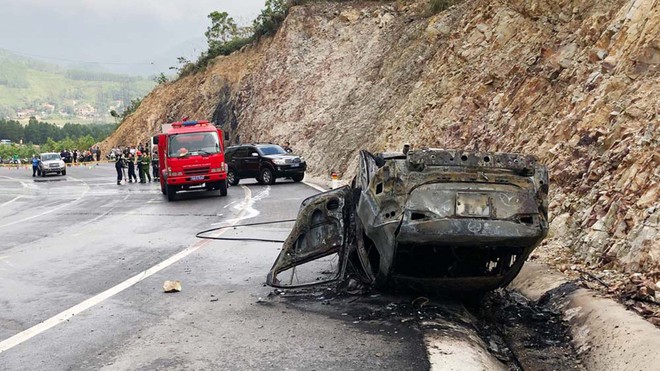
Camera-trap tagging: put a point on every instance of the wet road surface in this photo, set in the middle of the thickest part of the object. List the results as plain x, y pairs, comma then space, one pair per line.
66, 241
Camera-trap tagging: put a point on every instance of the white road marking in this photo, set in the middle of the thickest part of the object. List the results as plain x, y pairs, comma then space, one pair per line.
10, 201
246, 206
23, 184
48, 211
77, 309
318, 188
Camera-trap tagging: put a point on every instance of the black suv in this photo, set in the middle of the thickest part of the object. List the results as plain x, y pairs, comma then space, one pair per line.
264, 162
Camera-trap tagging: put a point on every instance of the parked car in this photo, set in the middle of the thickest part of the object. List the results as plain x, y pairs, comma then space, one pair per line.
51, 163
264, 162
430, 219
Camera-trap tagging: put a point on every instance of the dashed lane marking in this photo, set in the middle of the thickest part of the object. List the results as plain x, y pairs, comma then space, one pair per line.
76, 309
317, 187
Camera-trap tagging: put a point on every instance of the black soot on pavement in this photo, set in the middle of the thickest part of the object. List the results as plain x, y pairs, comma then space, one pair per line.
522, 334
527, 335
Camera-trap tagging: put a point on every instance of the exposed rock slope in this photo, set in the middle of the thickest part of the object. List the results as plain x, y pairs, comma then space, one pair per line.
573, 82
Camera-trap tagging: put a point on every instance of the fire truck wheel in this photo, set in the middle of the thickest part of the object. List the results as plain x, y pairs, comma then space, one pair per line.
171, 193
222, 185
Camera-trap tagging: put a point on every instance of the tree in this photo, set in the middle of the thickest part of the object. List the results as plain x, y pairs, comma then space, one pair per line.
271, 17
159, 79
222, 29
12, 130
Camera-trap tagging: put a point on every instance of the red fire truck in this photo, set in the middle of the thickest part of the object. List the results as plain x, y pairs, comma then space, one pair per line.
191, 156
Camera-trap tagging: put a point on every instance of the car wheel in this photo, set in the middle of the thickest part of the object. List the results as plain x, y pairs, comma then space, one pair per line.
267, 176
63, 172
232, 178
223, 187
43, 174
298, 177
171, 193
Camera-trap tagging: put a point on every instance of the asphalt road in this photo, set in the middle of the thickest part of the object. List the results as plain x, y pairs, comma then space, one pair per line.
83, 261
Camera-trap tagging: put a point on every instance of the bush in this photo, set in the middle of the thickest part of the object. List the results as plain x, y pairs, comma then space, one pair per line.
437, 6
135, 103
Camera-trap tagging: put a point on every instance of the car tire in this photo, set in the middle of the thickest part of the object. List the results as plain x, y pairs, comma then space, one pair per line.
63, 172
43, 174
171, 193
298, 177
232, 179
222, 185
267, 177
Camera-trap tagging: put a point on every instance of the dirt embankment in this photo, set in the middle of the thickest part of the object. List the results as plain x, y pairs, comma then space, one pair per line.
574, 83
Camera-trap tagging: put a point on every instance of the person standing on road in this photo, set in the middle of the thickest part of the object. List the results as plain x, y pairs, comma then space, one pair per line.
130, 160
139, 166
154, 165
146, 160
35, 165
120, 164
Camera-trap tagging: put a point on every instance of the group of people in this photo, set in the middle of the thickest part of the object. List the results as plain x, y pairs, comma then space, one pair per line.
133, 159
75, 156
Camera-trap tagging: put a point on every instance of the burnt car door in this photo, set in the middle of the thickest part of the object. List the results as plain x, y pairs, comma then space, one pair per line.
317, 248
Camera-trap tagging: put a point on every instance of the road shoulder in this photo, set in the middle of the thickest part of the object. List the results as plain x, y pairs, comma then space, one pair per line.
606, 335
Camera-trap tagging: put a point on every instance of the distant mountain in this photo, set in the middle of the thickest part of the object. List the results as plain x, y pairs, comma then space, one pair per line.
78, 94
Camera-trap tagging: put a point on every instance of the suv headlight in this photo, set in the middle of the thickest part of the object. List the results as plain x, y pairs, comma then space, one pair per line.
279, 161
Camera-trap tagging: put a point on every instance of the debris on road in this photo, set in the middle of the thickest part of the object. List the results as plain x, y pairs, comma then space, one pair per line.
172, 286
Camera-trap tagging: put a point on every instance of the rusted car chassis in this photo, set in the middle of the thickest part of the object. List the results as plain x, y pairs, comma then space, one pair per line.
432, 219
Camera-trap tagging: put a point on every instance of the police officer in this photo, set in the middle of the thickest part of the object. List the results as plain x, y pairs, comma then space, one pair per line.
139, 166
120, 164
146, 160
130, 160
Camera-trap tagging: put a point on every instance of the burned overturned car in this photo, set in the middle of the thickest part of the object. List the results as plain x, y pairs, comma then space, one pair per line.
430, 219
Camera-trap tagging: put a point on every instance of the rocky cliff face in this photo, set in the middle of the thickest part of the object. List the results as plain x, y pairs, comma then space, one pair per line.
575, 83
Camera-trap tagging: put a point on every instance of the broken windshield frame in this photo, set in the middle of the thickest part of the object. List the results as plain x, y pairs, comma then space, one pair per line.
193, 144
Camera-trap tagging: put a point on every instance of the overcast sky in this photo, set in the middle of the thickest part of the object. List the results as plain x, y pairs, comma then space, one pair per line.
112, 31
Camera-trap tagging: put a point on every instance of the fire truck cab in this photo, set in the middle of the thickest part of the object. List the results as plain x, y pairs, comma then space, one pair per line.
191, 156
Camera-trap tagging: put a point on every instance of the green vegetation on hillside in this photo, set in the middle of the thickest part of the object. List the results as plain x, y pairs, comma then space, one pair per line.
224, 36
33, 88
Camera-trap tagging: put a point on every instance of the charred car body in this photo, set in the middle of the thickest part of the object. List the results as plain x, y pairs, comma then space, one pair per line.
428, 219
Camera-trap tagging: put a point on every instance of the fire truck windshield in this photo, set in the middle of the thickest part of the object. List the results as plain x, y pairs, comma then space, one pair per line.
193, 144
